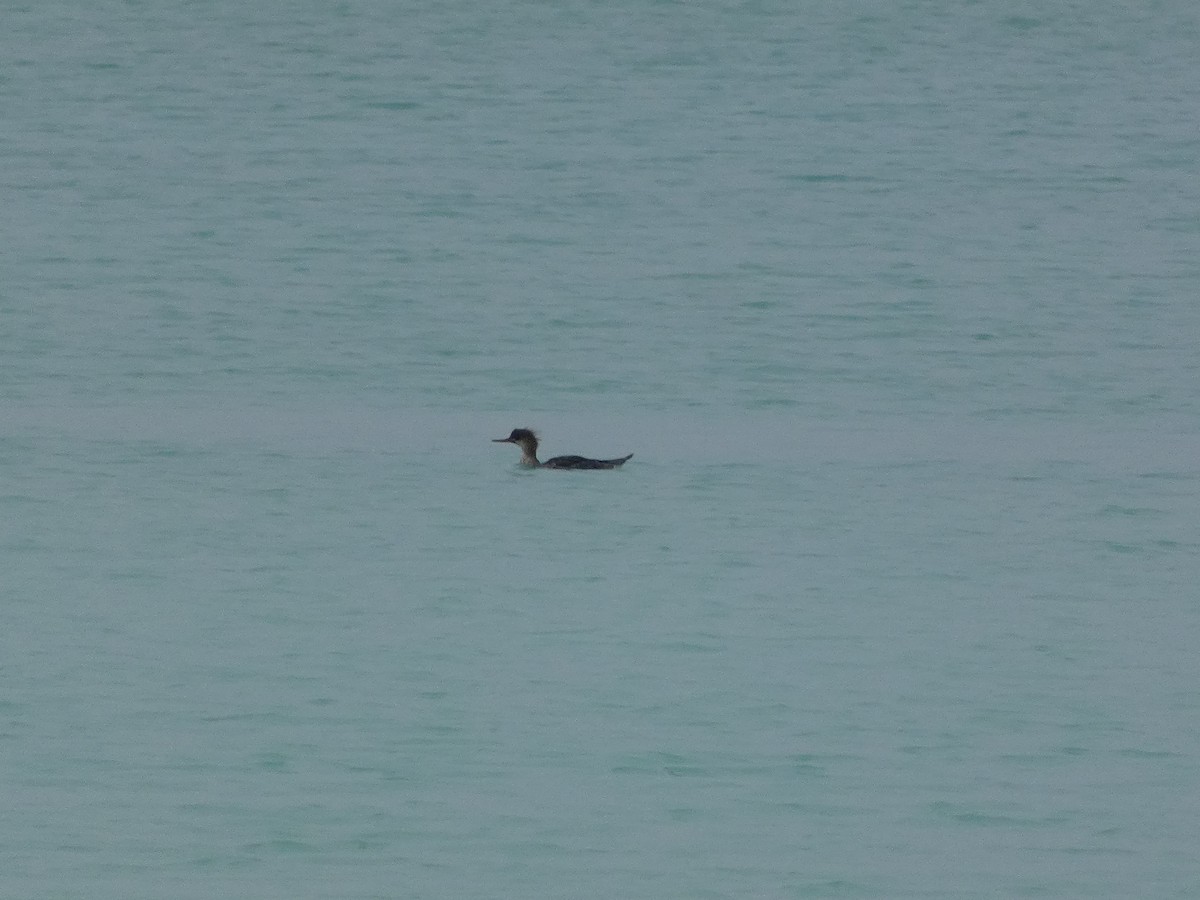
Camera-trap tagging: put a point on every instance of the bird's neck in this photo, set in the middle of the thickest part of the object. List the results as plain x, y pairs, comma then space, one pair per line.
529, 455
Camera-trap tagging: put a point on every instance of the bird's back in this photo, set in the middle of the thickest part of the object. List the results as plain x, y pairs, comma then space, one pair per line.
582, 462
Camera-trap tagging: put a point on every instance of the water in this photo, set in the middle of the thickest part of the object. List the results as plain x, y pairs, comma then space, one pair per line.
895, 307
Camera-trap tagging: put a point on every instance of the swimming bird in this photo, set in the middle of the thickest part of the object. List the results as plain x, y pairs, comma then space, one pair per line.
528, 442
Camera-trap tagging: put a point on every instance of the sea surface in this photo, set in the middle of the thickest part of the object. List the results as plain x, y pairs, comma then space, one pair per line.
895, 304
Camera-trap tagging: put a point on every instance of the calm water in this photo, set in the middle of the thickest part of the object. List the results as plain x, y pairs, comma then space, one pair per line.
897, 309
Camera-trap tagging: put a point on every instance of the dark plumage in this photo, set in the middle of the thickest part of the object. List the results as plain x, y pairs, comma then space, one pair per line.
528, 442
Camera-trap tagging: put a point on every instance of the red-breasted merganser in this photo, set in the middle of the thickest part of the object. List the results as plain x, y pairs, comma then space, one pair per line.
528, 442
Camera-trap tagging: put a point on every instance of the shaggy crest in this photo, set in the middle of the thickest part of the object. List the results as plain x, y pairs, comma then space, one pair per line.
522, 436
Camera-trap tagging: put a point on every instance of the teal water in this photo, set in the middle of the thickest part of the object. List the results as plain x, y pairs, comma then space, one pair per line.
896, 310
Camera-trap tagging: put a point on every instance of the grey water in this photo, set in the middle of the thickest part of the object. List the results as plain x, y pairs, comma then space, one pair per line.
894, 304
